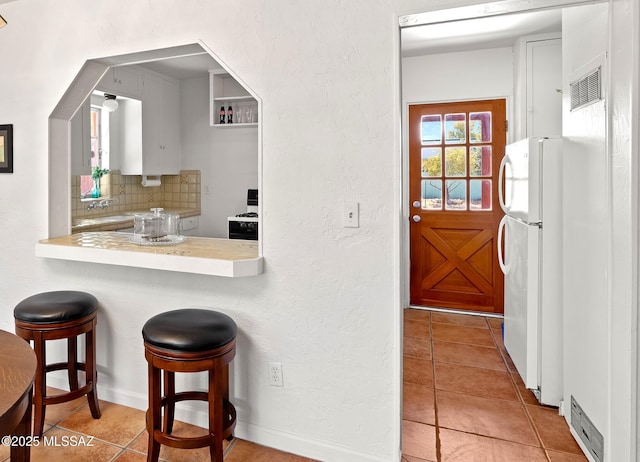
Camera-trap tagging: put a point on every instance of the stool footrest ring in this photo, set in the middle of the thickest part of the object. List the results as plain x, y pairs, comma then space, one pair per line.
64, 366
197, 441
68, 396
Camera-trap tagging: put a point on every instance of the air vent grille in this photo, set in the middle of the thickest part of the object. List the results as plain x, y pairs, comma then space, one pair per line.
586, 90
587, 432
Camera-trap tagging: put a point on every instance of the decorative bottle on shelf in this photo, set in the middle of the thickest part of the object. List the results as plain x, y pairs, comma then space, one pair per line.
222, 115
229, 115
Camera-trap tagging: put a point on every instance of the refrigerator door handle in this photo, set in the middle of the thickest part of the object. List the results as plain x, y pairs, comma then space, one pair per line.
501, 261
503, 166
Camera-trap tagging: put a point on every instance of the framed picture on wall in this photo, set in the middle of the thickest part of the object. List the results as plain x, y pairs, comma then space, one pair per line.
6, 148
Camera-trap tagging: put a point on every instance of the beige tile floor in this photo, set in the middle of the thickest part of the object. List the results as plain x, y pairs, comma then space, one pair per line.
120, 436
463, 400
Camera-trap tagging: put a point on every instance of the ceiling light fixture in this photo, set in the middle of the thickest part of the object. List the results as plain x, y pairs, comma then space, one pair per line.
2, 22
110, 103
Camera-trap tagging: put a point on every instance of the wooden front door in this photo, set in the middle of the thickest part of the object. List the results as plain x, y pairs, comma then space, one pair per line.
455, 151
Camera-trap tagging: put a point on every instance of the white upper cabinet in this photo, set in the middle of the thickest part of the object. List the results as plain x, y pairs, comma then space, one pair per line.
123, 81
149, 138
161, 125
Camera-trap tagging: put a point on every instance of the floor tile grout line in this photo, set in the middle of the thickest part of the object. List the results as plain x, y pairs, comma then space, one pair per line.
232, 443
435, 395
521, 398
110, 443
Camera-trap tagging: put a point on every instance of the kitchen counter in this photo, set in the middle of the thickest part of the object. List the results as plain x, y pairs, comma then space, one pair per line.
199, 255
121, 220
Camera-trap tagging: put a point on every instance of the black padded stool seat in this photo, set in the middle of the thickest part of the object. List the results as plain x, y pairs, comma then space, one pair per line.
189, 340
189, 330
63, 314
60, 306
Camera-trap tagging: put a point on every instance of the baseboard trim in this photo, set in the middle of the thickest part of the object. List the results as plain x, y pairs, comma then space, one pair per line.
277, 439
306, 447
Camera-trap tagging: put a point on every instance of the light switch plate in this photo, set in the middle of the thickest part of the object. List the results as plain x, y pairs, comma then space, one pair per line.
351, 215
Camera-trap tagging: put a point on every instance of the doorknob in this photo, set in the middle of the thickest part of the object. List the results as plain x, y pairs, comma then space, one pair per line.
416, 218
416, 204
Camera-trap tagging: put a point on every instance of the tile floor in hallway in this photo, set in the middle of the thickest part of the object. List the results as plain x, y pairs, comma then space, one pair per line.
120, 436
463, 400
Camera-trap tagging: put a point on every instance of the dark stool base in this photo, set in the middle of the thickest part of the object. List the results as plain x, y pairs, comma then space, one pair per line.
39, 333
222, 414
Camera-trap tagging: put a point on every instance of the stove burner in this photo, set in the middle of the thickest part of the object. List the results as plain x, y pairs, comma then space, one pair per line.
248, 214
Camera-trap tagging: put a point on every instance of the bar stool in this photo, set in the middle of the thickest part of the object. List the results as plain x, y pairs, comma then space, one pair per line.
189, 340
57, 315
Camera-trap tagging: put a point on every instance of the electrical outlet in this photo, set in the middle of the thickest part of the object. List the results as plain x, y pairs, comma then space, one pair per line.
275, 375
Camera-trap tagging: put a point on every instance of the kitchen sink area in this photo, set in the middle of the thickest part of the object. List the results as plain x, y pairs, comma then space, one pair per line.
122, 221
102, 230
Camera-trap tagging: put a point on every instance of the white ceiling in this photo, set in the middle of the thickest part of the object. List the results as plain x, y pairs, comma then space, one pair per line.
476, 34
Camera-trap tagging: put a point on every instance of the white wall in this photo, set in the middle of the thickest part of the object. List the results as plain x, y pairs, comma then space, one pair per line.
227, 159
479, 74
585, 205
600, 197
327, 305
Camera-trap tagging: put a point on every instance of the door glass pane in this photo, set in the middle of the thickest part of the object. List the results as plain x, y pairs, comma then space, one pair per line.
431, 162
455, 161
480, 161
480, 194
480, 127
455, 126
456, 194
431, 129
431, 194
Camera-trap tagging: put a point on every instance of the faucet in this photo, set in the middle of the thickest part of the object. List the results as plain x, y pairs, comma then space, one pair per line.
101, 204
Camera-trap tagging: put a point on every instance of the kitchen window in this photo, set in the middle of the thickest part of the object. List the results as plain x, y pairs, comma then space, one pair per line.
99, 142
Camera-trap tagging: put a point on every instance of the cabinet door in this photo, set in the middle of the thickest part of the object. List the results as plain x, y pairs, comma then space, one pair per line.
161, 126
127, 81
171, 147
544, 82
80, 134
121, 81
126, 137
108, 82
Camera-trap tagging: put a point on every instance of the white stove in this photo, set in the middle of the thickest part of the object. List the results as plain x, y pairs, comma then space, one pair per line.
245, 225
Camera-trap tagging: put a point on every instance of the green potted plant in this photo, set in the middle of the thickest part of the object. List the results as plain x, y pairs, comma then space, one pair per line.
96, 173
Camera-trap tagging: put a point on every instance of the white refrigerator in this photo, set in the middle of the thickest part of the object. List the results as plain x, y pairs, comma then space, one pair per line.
531, 233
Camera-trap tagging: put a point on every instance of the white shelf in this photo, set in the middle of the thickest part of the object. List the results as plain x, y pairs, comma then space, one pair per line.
235, 98
253, 124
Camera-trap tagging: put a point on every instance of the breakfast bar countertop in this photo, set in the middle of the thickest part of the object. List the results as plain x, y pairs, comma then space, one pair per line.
200, 255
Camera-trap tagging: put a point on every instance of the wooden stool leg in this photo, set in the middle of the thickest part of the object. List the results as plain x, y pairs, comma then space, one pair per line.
72, 362
225, 393
153, 413
216, 415
170, 400
40, 385
92, 372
